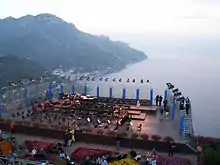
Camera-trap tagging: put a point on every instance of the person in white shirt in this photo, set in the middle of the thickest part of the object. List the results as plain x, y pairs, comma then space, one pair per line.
34, 151
138, 104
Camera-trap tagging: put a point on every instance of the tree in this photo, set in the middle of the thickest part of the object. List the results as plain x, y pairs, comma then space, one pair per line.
211, 154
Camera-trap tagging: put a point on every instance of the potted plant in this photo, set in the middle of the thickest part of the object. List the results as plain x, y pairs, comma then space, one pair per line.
168, 139
123, 134
135, 135
145, 136
100, 131
156, 137
111, 133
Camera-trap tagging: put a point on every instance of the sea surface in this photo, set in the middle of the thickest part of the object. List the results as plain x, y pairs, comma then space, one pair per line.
197, 78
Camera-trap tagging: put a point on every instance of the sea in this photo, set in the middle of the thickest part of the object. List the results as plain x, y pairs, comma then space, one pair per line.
197, 78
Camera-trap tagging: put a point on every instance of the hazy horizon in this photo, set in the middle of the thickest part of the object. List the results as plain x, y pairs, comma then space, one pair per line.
172, 28
179, 17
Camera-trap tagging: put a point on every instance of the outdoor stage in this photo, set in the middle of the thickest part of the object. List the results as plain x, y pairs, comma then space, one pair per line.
155, 133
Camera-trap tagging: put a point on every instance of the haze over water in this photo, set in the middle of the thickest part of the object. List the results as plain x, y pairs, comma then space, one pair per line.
196, 78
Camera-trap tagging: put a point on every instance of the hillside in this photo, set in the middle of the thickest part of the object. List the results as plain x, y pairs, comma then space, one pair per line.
51, 42
15, 69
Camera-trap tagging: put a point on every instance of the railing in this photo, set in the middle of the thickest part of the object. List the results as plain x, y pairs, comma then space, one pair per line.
23, 95
12, 161
182, 121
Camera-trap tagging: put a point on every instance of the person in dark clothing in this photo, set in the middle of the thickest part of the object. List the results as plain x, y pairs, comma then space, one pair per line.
187, 108
160, 100
165, 105
157, 100
118, 142
182, 105
133, 153
170, 149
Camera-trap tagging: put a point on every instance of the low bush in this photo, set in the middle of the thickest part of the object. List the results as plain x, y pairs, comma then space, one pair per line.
168, 139
135, 135
100, 131
112, 133
156, 137
123, 134
89, 130
145, 136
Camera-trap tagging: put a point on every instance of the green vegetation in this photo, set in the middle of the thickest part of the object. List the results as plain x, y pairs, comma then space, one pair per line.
15, 69
48, 41
211, 154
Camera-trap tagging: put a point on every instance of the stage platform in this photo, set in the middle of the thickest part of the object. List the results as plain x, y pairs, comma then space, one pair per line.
146, 109
141, 116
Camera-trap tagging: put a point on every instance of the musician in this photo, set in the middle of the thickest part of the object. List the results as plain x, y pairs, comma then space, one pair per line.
138, 104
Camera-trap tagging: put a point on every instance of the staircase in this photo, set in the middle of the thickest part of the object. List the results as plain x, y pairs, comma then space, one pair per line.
188, 129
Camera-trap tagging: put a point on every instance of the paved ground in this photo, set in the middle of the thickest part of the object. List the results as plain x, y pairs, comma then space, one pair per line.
21, 138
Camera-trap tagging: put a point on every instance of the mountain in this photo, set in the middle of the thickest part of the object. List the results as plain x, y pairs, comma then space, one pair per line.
52, 42
14, 69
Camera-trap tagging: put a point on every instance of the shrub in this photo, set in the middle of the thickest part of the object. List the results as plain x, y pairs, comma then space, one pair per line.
145, 136
156, 137
123, 134
168, 139
135, 135
89, 130
1, 119
100, 131
111, 133
36, 125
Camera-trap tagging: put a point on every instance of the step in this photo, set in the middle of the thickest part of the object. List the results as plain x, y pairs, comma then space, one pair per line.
142, 117
130, 112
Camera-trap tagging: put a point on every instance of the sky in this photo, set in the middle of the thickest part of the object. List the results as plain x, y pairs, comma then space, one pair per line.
179, 17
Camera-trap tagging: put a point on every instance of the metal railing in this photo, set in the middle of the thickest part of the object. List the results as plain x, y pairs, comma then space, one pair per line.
179, 115
21, 96
16, 161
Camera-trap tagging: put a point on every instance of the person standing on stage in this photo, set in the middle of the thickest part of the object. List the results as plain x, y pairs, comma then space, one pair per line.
160, 100
157, 100
187, 107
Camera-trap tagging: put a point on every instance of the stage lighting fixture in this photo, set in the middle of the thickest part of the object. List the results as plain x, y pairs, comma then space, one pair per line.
88, 119
142, 81
88, 78
148, 81
81, 78
114, 79
180, 98
128, 80
175, 90
101, 79
106, 79
93, 79
177, 94
120, 80
133, 81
